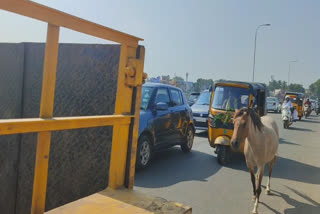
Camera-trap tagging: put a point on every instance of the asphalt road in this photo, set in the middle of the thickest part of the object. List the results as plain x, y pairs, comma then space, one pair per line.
196, 179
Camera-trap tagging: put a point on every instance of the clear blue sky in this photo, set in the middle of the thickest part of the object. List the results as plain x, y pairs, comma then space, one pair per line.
206, 38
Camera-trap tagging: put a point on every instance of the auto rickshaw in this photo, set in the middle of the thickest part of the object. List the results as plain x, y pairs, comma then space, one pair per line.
297, 102
226, 96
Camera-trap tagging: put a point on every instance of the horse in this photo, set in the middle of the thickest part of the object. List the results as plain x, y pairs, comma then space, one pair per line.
261, 137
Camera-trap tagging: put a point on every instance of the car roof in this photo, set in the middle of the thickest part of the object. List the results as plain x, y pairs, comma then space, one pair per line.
157, 85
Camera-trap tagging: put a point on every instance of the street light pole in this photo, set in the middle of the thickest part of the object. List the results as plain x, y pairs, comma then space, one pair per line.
255, 47
290, 70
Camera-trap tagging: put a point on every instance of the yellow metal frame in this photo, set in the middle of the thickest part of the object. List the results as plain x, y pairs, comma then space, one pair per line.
125, 121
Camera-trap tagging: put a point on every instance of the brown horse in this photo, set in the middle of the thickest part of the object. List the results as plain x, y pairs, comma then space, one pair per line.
261, 137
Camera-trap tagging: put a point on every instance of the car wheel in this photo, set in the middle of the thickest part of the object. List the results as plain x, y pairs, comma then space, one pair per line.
187, 145
223, 154
143, 152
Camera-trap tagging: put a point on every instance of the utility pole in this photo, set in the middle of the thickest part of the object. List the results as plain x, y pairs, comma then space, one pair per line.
255, 47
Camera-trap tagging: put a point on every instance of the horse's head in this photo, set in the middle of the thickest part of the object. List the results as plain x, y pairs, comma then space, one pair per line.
241, 129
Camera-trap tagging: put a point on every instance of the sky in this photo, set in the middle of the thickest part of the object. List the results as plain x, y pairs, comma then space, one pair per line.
205, 38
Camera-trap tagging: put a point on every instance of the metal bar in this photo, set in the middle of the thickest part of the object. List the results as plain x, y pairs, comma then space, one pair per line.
132, 150
55, 17
19, 126
46, 111
120, 136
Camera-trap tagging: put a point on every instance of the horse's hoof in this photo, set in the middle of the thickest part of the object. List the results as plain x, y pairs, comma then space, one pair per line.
254, 198
267, 192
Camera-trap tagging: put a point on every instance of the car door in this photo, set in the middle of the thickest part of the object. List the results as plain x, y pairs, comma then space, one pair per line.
163, 127
178, 114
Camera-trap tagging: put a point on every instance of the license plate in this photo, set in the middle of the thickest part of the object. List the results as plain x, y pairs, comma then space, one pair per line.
200, 119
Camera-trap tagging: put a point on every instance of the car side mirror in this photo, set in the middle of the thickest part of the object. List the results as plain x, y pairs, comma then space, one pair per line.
162, 106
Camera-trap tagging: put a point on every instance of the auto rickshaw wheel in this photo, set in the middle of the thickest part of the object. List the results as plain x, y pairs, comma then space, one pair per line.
223, 154
300, 118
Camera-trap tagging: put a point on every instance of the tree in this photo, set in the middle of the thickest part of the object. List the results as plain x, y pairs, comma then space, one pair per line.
276, 84
296, 88
315, 89
178, 79
202, 84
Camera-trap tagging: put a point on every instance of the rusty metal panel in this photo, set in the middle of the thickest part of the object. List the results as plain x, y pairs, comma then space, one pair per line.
79, 159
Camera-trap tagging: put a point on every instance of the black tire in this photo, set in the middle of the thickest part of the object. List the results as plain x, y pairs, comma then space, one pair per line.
223, 154
300, 118
144, 152
187, 145
286, 124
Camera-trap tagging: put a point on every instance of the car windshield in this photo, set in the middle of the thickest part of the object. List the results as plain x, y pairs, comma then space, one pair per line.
293, 99
271, 99
193, 97
204, 98
145, 97
230, 98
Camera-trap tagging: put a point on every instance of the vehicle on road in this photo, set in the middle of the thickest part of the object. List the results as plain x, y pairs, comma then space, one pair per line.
165, 121
313, 104
297, 102
273, 104
317, 108
307, 110
193, 98
286, 115
226, 96
200, 111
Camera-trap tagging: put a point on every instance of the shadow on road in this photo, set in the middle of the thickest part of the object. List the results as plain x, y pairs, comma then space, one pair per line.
309, 121
283, 141
173, 166
202, 134
285, 169
297, 206
300, 129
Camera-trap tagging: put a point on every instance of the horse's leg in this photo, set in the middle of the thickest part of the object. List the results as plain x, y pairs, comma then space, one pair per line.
258, 188
253, 181
270, 171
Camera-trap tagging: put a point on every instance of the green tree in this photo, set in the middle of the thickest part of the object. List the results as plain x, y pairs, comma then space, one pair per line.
202, 84
315, 89
178, 79
276, 84
296, 88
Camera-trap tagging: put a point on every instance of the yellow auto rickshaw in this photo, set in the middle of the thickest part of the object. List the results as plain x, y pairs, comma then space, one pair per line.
297, 102
226, 96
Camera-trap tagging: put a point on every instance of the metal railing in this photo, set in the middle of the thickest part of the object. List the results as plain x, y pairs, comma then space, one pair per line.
125, 121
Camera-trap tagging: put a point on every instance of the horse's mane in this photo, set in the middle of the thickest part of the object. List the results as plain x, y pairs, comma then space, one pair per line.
254, 117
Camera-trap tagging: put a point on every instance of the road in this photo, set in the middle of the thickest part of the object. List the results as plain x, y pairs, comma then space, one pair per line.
196, 179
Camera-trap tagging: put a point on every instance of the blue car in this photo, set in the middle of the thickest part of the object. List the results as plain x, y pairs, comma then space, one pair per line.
165, 121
